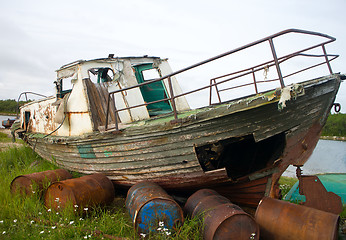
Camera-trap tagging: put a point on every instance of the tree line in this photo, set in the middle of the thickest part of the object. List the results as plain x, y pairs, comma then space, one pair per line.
10, 105
335, 126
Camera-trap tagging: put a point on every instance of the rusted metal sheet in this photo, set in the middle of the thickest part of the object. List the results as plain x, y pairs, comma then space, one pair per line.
86, 191
279, 220
36, 182
150, 208
222, 219
317, 195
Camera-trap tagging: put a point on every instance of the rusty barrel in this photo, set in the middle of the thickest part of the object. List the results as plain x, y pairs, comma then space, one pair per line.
150, 208
35, 182
283, 220
222, 219
86, 191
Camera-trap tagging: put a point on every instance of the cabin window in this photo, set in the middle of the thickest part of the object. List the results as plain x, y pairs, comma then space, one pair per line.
101, 75
150, 74
65, 85
241, 156
154, 91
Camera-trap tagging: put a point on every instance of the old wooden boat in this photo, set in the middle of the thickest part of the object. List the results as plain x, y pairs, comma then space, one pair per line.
128, 118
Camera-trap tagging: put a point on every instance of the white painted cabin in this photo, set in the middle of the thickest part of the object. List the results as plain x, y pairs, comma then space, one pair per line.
80, 104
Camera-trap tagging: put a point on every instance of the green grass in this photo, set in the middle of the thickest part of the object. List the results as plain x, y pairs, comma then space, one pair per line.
4, 137
286, 183
28, 218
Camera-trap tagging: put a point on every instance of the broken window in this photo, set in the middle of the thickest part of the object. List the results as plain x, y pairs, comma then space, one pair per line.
241, 156
101, 75
150, 74
65, 85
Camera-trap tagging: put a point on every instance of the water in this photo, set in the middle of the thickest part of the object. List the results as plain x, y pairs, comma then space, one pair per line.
4, 117
328, 157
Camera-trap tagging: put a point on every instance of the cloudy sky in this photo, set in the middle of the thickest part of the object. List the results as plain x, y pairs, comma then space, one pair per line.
39, 36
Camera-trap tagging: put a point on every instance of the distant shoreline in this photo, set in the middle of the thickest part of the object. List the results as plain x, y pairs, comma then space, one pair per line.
334, 138
7, 114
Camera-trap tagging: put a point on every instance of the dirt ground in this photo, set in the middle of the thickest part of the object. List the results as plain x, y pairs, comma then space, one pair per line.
4, 145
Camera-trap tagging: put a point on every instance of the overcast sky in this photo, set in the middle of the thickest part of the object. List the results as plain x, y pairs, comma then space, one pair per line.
37, 37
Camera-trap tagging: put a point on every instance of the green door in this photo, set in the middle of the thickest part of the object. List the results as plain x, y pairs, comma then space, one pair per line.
153, 91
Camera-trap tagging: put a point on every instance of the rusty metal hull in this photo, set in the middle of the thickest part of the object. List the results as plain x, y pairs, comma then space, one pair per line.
168, 153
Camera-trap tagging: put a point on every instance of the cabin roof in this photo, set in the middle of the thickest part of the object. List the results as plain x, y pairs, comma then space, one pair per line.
144, 58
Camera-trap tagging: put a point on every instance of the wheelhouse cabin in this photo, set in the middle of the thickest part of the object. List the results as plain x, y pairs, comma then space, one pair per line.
82, 90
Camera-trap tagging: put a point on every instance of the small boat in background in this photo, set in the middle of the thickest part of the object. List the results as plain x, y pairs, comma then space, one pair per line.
8, 123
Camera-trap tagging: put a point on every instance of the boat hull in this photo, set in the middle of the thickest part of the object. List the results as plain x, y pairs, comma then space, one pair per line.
166, 152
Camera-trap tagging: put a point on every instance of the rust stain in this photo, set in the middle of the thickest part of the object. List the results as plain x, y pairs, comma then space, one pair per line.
279, 220
86, 191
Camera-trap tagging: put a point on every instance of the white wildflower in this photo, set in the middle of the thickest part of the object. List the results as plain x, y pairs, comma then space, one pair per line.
165, 229
15, 220
81, 219
41, 232
142, 235
57, 200
2, 221
86, 209
168, 233
57, 213
32, 221
39, 213
72, 222
85, 237
159, 229
33, 192
3, 232
75, 206
49, 210
54, 227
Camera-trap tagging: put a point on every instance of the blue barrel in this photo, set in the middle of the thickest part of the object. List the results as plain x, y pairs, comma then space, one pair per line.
152, 209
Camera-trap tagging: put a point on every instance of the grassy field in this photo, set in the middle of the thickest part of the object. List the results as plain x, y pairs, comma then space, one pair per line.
27, 218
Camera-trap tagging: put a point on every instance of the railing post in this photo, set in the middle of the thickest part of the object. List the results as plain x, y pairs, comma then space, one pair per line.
115, 113
217, 91
276, 62
327, 60
211, 91
106, 124
254, 80
172, 98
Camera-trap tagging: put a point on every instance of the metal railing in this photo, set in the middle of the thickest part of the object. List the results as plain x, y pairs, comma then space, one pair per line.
235, 75
26, 99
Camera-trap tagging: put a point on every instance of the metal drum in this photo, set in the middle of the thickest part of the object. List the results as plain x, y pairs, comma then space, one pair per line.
86, 191
283, 220
150, 208
35, 182
222, 219
195, 198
